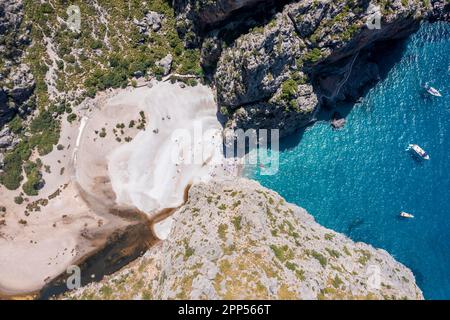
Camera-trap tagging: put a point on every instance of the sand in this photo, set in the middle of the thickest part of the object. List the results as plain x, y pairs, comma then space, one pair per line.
109, 173
34, 253
152, 172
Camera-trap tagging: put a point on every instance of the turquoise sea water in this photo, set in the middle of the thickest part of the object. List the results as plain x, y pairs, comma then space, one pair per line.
358, 179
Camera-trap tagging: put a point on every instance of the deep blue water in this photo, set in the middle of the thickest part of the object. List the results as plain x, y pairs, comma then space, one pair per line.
358, 179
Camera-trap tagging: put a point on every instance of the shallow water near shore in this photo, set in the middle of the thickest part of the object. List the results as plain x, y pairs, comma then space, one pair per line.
357, 180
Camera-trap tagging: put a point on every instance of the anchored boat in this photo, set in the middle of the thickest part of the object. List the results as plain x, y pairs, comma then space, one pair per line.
406, 215
433, 91
419, 151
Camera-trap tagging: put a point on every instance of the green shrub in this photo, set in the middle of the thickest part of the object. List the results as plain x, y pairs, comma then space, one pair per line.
44, 130
34, 177
288, 89
15, 125
313, 55
71, 117
337, 282
333, 253
329, 236
282, 253
222, 231
188, 251
18, 199
12, 177
237, 222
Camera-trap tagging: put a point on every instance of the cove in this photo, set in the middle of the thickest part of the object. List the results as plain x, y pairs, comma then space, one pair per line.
357, 180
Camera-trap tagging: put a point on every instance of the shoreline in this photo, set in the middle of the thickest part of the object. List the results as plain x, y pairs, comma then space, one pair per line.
87, 181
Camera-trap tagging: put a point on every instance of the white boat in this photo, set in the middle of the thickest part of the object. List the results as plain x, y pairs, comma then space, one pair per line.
433, 91
419, 151
406, 215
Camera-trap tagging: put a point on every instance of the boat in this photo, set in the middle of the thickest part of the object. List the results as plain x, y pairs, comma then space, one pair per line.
433, 91
419, 151
406, 215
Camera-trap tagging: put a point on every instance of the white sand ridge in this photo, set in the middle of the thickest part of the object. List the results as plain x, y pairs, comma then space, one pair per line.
152, 171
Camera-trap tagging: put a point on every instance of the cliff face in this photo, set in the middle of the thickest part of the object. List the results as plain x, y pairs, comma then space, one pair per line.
237, 240
208, 12
233, 239
312, 53
195, 17
16, 81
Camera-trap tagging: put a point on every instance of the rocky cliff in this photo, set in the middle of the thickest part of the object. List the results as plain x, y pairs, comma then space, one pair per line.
16, 80
195, 17
208, 12
234, 239
274, 64
312, 53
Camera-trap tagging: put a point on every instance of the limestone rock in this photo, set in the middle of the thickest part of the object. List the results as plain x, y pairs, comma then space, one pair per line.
16, 81
209, 12
5, 138
235, 239
23, 83
11, 14
152, 21
211, 50
324, 45
196, 16
440, 10
3, 102
338, 121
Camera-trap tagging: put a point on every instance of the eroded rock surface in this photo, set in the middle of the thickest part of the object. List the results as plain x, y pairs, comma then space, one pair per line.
212, 11
234, 239
319, 50
16, 81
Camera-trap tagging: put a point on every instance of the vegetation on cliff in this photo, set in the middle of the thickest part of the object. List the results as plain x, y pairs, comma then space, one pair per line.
234, 239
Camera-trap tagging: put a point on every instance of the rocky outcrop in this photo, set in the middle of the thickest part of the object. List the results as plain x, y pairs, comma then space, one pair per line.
166, 64
151, 22
338, 121
208, 12
11, 15
5, 139
277, 113
16, 81
440, 11
234, 239
196, 17
323, 46
21, 81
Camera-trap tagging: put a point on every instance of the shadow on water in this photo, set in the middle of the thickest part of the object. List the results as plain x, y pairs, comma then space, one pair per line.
292, 140
418, 160
355, 224
420, 279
